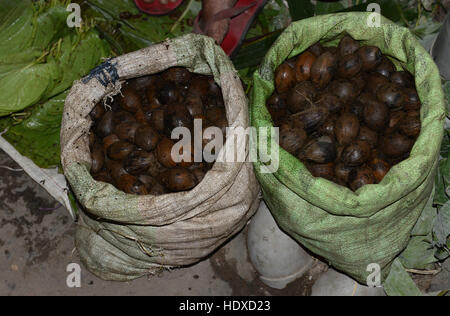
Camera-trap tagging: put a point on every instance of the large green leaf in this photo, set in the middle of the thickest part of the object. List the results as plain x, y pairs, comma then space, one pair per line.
442, 226
443, 183
16, 27
37, 137
399, 282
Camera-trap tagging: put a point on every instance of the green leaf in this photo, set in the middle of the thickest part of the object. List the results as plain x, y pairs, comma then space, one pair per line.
419, 254
442, 226
300, 9
16, 28
37, 137
443, 183
399, 282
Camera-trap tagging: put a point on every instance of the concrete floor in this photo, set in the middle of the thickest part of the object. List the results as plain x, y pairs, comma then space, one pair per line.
36, 246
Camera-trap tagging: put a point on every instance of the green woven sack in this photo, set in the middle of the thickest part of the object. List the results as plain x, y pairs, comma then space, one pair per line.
372, 226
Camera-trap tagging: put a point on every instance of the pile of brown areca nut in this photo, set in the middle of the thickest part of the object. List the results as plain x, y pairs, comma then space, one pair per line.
346, 112
131, 143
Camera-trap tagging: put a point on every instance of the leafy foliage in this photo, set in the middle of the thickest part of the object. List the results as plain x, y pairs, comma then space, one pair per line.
38, 135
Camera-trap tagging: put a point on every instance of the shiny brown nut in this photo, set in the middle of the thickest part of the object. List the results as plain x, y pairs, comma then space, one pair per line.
168, 93
380, 169
360, 82
98, 158
321, 150
177, 115
103, 176
392, 96
349, 66
330, 102
106, 125
109, 140
374, 82
277, 107
157, 120
348, 46
146, 138
194, 105
164, 153
356, 108
152, 185
328, 128
126, 131
396, 145
412, 100
303, 66
301, 97
411, 126
178, 75
292, 138
138, 162
325, 171
395, 121
369, 136
115, 169
403, 79
158, 189
142, 83
324, 69
121, 117
356, 154
312, 118
342, 173
141, 117
344, 90
97, 112
317, 49
179, 179
130, 100
199, 174
347, 128
386, 68
413, 114
376, 115
360, 177
199, 86
120, 150
370, 56
131, 185
155, 167
284, 78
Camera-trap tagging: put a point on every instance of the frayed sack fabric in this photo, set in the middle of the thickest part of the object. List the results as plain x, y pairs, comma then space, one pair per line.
122, 237
354, 232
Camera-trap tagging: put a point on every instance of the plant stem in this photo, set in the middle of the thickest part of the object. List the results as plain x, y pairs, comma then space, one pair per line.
185, 12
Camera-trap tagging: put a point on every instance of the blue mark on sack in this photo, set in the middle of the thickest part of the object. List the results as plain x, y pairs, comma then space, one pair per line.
106, 74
